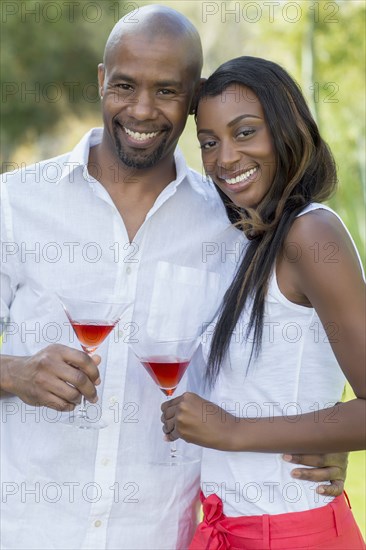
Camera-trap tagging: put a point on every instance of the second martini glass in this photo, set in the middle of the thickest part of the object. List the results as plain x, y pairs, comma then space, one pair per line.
166, 361
92, 322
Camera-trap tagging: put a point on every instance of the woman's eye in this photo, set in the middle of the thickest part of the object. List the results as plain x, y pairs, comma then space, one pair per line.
245, 133
207, 145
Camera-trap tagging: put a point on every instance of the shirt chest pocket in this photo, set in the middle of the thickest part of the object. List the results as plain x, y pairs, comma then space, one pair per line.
183, 300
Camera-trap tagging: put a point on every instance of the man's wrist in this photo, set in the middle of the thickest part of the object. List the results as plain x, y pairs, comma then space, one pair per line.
7, 364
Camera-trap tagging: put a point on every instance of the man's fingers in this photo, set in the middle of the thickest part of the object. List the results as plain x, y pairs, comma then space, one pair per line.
319, 460
316, 461
80, 381
333, 490
67, 380
317, 474
64, 391
57, 403
82, 361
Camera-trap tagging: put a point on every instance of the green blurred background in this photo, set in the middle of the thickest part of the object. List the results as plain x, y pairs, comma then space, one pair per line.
50, 52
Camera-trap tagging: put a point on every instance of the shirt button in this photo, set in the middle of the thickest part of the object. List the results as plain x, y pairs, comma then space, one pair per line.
113, 400
128, 270
105, 461
97, 523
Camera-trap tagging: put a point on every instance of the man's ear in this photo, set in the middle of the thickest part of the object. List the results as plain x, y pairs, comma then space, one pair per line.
101, 75
193, 107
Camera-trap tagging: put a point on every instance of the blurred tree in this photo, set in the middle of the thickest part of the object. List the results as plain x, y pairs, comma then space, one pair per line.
50, 52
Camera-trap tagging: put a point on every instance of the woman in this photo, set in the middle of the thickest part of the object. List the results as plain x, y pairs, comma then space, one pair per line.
276, 374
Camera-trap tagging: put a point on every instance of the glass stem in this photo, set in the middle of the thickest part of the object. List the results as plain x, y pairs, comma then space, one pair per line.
82, 408
173, 445
173, 450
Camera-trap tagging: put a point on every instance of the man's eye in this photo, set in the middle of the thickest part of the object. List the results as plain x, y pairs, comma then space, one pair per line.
125, 87
165, 91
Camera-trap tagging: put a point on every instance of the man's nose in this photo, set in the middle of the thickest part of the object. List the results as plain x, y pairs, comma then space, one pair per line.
142, 106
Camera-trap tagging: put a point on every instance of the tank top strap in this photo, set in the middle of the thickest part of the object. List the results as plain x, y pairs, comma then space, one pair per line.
273, 288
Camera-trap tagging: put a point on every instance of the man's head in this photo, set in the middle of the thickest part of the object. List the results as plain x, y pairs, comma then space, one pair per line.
151, 70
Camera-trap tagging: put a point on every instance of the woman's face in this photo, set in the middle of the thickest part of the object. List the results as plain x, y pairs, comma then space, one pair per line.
236, 145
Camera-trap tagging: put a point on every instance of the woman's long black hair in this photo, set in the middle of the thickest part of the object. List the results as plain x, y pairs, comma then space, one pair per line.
305, 173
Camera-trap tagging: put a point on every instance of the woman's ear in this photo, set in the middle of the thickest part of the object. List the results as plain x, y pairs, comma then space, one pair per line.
192, 110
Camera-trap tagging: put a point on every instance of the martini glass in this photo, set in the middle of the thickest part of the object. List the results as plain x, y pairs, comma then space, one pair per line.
166, 361
92, 322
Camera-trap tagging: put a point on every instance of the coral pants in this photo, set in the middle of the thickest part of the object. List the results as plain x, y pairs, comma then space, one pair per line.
331, 526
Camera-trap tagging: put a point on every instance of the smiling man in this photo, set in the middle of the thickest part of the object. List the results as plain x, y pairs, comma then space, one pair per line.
130, 220
147, 83
147, 88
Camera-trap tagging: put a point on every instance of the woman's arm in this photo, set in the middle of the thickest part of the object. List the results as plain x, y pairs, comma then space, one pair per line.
337, 292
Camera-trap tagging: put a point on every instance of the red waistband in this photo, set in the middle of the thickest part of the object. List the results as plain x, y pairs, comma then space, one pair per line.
220, 528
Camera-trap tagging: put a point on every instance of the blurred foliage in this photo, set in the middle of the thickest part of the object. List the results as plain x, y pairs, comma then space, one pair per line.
49, 57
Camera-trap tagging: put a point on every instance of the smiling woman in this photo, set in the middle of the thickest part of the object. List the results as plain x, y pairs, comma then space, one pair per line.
236, 145
297, 334
245, 124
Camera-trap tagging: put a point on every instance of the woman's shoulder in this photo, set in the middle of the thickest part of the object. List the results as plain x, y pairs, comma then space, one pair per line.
318, 235
318, 225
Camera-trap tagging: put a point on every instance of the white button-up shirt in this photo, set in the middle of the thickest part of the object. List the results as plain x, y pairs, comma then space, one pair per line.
64, 488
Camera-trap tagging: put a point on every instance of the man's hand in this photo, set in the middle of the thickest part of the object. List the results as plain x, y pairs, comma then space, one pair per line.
55, 377
326, 467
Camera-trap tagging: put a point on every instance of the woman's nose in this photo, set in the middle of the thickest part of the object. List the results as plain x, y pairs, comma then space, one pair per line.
228, 156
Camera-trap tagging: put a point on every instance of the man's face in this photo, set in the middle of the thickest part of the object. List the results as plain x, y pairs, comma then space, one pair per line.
147, 88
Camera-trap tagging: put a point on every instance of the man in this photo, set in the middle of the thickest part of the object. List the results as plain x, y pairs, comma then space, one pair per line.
123, 216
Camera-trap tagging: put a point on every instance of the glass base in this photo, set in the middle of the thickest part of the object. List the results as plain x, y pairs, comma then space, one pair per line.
83, 423
176, 460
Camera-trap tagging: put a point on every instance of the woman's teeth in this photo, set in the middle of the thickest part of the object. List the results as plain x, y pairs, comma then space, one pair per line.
140, 137
242, 177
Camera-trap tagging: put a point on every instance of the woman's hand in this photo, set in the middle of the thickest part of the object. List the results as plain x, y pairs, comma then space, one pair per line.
198, 421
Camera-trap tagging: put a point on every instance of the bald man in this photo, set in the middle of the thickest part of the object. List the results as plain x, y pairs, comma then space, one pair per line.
121, 215
128, 219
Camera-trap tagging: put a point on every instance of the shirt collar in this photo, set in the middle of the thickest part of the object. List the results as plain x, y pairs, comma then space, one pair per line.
79, 158
183, 171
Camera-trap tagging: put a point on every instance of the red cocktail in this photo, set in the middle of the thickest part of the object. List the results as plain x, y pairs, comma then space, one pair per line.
92, 322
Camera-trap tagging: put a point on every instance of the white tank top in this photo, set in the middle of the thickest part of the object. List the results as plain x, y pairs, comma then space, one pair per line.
296, 372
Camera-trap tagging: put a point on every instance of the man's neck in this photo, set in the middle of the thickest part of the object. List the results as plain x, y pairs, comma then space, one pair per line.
132, 190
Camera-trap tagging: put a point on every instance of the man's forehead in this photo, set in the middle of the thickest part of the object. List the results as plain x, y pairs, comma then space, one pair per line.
147, 43
131, 52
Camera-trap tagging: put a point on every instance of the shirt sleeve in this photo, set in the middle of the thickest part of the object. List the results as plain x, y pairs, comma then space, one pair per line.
9, 254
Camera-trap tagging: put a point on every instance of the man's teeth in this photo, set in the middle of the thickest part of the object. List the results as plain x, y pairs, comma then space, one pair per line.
242, 177
138, 136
